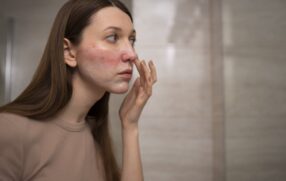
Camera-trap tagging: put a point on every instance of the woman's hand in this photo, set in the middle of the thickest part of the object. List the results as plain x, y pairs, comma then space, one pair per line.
136, 99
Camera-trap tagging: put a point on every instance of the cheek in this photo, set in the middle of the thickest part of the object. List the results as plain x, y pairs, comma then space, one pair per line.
102, 57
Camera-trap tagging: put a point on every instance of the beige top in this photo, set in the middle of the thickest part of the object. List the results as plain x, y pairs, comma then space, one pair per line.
47, 151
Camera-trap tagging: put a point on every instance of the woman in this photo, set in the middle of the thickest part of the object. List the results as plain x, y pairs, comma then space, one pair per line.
57, 129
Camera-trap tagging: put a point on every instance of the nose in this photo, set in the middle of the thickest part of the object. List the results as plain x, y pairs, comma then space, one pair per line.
128, 53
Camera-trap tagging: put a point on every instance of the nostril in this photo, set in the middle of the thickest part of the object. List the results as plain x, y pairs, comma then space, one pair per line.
129, 56
125, 57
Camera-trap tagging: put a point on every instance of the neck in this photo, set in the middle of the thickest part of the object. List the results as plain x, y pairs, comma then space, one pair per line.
83, 98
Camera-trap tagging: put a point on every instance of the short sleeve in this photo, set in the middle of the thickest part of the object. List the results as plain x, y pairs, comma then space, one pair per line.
11, 147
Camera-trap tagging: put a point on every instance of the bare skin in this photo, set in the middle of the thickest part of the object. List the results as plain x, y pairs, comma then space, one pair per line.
106, 50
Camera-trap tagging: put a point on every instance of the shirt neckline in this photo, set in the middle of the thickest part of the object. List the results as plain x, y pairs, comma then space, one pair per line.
73, 127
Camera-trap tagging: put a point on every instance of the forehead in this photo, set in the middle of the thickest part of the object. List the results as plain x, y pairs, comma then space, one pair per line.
111, 16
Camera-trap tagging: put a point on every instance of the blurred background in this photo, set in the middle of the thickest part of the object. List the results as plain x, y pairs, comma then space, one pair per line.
218, 111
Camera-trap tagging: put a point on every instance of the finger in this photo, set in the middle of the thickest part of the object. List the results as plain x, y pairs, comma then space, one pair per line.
140, 70
148, 79
137, 63
138, 66
147, 75
134, 89
153, 71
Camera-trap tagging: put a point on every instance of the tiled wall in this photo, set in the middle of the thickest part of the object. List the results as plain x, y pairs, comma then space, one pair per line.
176, 126
200, 125
255, 89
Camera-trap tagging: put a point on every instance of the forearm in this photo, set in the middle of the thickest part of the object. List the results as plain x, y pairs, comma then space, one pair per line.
130, 111
132, 165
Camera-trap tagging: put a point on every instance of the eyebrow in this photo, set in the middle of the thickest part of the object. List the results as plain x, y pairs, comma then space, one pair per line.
133, 31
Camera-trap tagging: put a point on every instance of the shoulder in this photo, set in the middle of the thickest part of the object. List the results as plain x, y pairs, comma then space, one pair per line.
12, 130
10, 120
12, 127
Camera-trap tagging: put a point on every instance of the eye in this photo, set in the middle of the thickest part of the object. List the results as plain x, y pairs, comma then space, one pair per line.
132, 40
112, 38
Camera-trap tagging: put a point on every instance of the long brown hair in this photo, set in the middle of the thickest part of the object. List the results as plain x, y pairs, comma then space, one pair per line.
50, 89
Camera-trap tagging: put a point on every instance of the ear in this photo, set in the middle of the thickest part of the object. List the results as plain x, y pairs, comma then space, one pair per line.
69, 53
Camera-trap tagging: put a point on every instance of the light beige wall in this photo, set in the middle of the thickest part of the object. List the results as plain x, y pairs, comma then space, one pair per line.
255, 89
176, 126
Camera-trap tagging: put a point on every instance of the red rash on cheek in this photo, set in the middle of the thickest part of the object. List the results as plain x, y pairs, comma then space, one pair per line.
105, 57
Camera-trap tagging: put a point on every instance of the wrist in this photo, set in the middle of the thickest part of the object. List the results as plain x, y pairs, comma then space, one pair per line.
130, 127
130, 135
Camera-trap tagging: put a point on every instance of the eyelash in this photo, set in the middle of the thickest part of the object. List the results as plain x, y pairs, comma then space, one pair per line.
114, 37
132, 40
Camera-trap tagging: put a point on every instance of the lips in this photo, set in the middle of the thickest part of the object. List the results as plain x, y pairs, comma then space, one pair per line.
126, 74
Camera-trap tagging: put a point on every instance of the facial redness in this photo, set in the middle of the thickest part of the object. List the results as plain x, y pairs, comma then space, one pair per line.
104, 56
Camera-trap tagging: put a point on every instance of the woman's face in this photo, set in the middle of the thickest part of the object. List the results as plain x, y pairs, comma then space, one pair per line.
106, 53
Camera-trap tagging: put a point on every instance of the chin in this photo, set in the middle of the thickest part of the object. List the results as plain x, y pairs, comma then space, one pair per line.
120, 89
